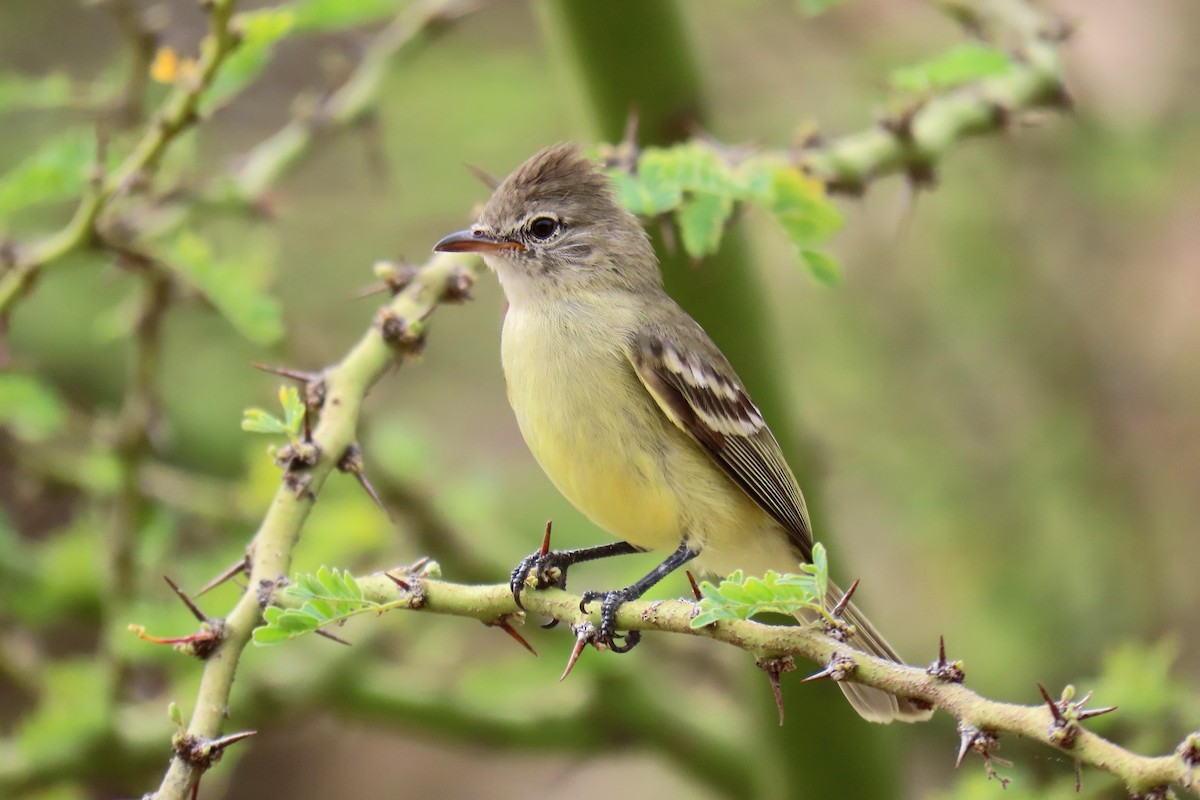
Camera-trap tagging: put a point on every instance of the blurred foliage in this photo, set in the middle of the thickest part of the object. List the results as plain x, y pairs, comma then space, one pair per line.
1000, 401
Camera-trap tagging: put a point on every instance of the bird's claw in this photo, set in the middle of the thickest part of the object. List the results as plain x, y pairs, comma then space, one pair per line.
538, 570
607, 634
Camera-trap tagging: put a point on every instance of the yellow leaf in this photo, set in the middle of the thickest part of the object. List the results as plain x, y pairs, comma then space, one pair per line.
165, 68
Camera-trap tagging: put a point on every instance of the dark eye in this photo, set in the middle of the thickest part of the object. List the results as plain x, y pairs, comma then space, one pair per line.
543, 227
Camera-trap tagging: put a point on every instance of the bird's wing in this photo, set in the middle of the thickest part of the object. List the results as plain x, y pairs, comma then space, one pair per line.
698, 391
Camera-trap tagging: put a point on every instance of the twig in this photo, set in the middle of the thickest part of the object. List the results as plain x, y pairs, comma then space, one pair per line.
346, 385
348, 104
1139, 773
178, 112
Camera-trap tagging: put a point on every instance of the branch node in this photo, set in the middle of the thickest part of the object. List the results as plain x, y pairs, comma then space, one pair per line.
943, 670
394, 276
399, 332
840, 667
1189, 750
458, 286
984, 742
202, 753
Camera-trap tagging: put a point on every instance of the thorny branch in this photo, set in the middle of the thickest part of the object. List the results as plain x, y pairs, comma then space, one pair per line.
1057, 723
399, 331
177, 114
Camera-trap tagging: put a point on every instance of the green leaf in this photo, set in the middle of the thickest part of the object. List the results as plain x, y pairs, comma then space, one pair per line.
331, 596
48, 91
230, 285
801, 207
819, 569
646, 198
962, 64
265, 635
702, 221
256, 420
293, 408
56, 171
742, 598
30, 407
822, 266
330, 15
261, 30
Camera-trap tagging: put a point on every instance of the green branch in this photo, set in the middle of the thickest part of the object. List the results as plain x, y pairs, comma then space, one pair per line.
398, 331
980, 719
179, 112
349, 104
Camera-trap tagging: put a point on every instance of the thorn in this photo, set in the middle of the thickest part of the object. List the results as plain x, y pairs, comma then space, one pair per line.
365, 483
378, 287
1095, 712
582, 637
331, 637
774, 668
1078, 776
226, 741
506, 626
695, 587
545, 548
352, 462
967, 735
403, 584
839, 668
773, 676
187, 601
941, 650
836, 613
1054, 709
287, 372
483, 176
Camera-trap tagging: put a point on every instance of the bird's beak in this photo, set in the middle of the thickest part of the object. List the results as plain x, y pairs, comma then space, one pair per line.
474, 241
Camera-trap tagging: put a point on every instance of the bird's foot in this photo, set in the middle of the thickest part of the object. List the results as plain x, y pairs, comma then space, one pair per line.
610, 601
539, 570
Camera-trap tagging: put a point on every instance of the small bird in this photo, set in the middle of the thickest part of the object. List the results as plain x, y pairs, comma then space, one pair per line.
629, 407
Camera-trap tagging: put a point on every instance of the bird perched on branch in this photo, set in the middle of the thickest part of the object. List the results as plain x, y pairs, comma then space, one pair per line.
629, 407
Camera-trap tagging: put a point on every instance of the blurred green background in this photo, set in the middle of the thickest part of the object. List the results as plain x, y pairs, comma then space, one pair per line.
996, 415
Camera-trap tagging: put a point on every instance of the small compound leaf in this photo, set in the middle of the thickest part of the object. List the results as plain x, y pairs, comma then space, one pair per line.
260, 30
312, 16
56, 171
231, 286
822, 266
702, 220
962, 64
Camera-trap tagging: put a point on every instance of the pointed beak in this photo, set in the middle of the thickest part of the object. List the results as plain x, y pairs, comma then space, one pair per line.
474, 241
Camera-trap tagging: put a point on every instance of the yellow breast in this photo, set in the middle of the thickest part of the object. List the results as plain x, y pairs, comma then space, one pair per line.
590, 424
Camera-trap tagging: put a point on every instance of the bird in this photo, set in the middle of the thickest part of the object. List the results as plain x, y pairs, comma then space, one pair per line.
630, 408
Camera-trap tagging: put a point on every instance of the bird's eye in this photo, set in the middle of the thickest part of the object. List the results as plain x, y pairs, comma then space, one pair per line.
543, 227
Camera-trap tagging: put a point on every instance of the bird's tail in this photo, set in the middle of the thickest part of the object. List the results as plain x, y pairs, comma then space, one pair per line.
874, 705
